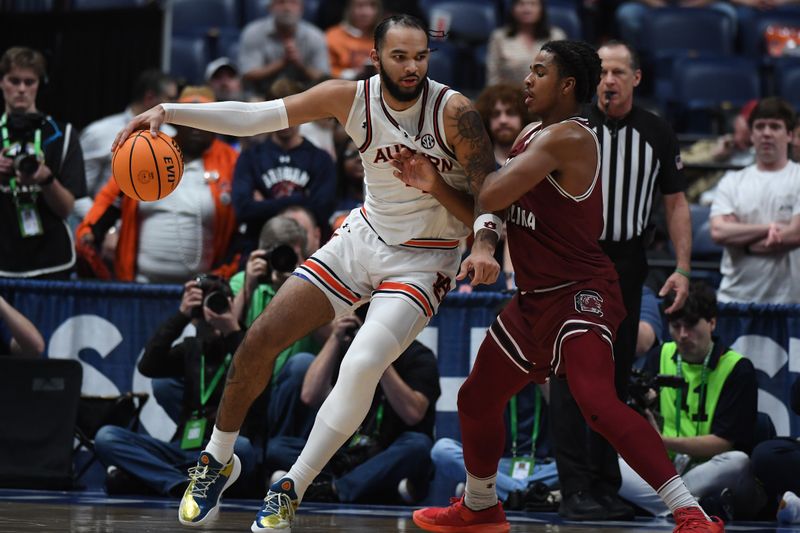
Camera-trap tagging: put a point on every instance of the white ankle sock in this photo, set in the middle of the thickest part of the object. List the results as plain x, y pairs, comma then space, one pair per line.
220, 446
675, 495
480, 493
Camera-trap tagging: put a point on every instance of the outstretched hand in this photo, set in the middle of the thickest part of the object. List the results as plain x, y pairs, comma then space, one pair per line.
153, 118
678, 283
415, 170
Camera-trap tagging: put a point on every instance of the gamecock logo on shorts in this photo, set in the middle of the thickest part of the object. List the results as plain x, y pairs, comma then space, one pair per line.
589, 302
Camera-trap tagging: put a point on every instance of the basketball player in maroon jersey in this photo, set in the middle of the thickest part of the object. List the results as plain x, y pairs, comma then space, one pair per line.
564, 318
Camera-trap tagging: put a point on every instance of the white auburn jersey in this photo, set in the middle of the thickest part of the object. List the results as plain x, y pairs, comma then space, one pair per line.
398, 213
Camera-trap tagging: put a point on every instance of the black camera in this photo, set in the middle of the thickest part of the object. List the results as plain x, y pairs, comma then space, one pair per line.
280, 258
22, 129
216, 292
641, 382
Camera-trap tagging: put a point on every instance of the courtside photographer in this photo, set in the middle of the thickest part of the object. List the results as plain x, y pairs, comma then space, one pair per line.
139, 463
41, 174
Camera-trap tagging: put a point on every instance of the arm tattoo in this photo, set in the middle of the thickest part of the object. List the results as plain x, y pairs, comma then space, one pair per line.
479, 156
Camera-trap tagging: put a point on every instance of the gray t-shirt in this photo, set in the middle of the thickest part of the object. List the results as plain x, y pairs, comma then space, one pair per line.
759, 197
260, 45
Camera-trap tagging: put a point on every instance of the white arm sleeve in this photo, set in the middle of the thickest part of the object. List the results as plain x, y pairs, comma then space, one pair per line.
240, 119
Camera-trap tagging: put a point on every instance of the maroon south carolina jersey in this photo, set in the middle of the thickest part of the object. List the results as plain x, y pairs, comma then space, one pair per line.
552, 235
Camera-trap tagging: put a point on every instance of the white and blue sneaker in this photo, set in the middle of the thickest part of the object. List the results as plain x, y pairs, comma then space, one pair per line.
277, 511
789, 509
207, 481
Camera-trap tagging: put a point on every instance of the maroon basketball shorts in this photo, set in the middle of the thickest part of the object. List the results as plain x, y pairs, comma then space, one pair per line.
533, 327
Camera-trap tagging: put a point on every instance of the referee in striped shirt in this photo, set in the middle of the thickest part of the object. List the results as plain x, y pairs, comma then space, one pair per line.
639, 156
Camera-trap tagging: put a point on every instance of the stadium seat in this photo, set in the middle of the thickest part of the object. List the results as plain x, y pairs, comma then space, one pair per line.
787, 80
468, 22
197, 17
31, 6
687, 31
188, 58
565, 18
442, 63
704, 86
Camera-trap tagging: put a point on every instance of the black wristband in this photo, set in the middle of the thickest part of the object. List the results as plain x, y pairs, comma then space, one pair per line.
48, 181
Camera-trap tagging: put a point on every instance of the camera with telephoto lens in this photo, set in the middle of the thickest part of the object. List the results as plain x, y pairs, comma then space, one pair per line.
21, 132
641, 382
280, 258
216, 292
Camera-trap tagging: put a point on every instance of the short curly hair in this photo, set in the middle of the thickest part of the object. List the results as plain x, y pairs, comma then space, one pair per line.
701, 303
578, 60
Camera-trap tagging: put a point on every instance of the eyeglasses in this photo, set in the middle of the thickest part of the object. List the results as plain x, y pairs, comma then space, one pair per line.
28, 82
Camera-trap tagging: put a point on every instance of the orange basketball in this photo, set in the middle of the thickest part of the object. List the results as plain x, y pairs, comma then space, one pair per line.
147, 168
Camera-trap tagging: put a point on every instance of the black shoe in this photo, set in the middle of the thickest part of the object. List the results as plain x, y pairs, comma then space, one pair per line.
321, 491
616, 507
119, 482
582, 505
720, 505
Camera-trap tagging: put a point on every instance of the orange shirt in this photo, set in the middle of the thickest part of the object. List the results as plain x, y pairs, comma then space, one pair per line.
346, 50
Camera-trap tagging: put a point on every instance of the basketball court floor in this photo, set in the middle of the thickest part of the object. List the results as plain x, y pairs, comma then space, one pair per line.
94, 512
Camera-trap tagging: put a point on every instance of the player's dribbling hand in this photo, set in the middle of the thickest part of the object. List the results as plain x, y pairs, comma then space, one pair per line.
678, 283
151, 119
415, 170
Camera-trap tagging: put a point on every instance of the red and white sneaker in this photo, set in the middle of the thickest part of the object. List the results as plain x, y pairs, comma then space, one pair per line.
692, 520
459, 518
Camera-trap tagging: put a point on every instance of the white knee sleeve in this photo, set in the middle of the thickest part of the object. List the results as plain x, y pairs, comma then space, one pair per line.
390, 327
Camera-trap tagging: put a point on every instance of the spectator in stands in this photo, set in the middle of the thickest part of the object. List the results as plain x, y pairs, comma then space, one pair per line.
587, 467
712, 426
504, 115
776, 464
179, 236
512, 46
305, 217
223, 77
282, 45
41, 175
284, 170
795, 146
630, 15
351, 41
151, 88
20, 336
330, 11
756, 215
526, 457
144, 463
349, 182
390, 453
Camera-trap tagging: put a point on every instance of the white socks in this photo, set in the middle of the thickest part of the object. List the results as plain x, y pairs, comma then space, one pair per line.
480, 493
676, 495
220, 446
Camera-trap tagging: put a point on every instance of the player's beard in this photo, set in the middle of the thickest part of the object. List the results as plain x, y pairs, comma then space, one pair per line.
398, 92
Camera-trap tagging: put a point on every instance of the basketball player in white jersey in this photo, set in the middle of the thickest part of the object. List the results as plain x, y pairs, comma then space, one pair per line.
401, 250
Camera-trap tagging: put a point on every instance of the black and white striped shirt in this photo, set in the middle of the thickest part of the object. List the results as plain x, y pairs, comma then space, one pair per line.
639, 153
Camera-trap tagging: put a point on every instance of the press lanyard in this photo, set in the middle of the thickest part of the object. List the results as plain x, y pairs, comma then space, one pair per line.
535, 434
679, 395
206, 394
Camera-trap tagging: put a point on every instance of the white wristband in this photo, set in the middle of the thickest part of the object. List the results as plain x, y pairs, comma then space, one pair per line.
490, 222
